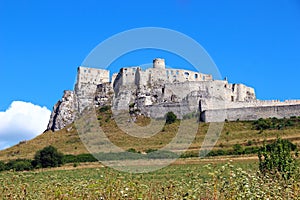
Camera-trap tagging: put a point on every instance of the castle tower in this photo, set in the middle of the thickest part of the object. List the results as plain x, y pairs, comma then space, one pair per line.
159, 63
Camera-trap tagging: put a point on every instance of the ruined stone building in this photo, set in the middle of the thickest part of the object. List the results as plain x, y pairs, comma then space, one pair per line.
155, 91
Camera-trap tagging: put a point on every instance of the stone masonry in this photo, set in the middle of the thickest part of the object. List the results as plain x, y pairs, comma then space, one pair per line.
155, 91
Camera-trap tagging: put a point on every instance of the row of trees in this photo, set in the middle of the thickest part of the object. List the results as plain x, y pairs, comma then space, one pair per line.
47, 157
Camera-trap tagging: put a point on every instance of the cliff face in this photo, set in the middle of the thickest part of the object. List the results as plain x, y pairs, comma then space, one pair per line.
73, 103
63, 112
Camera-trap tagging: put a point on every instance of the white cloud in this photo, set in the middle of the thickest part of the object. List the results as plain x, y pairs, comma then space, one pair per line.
22, 121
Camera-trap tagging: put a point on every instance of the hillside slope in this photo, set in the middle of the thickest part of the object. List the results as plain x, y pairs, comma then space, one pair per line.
240, 132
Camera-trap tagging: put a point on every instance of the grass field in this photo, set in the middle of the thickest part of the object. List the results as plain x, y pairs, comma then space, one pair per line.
221, 180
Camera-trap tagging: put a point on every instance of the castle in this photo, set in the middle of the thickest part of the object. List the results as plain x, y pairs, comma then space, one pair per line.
155, 91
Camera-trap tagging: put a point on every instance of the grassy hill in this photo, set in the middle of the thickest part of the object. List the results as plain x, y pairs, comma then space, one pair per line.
244, 134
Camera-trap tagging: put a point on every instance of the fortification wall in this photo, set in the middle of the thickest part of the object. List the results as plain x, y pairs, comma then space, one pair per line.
91, 76
217, 93
156, 75
142, 77
251, 113
252, 103
160, 110
175, 75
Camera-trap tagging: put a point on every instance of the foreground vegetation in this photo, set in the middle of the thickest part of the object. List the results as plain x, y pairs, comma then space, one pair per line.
204, 181
276, 176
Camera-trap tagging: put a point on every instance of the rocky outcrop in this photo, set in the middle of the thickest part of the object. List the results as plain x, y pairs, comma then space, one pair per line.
63, 112
73, 103
103, 95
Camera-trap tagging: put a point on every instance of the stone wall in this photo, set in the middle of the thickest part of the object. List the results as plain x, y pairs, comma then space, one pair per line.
87, 81
251, 113
94, 76
156, 75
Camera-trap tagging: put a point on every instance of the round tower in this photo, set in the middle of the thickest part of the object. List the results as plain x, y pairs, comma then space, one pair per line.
159, 63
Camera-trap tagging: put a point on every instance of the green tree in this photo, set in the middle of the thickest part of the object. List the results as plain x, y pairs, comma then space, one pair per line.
170, 118
48, 157
277, 158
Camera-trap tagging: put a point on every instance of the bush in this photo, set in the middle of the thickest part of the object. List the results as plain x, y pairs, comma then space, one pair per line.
79, 158
262, 124
277, 158
19, 165
104, 108
190, 154
150, 150
131, 105
238, 149
170, 118
2, 166
273, 123
48, 157
132, 150
75, 164
249, 142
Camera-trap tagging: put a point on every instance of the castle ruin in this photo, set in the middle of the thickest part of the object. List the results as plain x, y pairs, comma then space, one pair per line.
155, 91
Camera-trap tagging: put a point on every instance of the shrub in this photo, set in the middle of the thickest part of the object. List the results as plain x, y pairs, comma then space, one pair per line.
132, 150
249, 142
75, 164
79, 158
277, 158
190, 154
238, 149
19, 165
131, 105
262, 124
48, 157
219, 152
170, 118
273, 123
104, 108
2, 166
150, 150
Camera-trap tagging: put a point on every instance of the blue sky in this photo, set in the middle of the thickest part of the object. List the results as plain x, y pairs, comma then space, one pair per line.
43, 42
